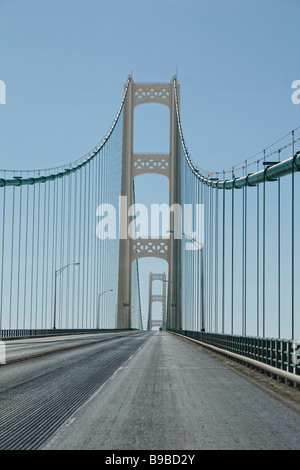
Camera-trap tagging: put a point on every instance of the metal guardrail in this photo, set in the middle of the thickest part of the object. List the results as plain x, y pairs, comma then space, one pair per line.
13, 334
278, 354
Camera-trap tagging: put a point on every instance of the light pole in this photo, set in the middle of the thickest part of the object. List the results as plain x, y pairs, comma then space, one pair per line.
57, 272
99, 295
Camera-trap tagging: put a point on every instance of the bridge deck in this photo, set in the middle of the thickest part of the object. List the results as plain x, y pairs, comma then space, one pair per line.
172, 395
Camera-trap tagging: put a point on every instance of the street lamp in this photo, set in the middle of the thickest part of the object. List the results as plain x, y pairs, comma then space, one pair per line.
57, 272
99, 295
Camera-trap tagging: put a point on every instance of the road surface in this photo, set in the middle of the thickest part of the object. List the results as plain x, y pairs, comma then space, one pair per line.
172, 396
45, 380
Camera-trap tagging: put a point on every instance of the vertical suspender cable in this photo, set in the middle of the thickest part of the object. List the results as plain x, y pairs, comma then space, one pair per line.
12, 258
211, 255
202, 266
55, 236
232, 252
68, 239
62, 253
208, 258
197, 268
94, 246
75, 259
19, 258
257, 256
293, 238
264, 251
45, 187
32, 256
97, 244
46, 253
79, 257
96, 256
37, 257
206, 253
279, 254
101, 247
195, 252
223, 260
216, 259
25, 258
88, 312
107, 240
243, 259
245, 263
2, 257
83, 248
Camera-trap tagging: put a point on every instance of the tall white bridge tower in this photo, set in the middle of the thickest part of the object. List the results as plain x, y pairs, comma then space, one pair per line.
134, 165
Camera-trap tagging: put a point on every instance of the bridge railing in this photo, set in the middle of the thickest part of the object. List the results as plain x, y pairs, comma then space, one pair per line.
275, 352
30, 333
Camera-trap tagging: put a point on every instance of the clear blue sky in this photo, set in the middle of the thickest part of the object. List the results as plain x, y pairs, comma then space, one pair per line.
65, 64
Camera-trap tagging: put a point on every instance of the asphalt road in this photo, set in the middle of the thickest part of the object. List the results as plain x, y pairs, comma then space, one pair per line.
38, 394
135, 391
172, 396
20, 349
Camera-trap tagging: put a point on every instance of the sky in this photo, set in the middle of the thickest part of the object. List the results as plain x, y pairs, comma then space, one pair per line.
65, 63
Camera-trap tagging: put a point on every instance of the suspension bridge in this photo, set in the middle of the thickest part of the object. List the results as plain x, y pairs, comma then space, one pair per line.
71, 309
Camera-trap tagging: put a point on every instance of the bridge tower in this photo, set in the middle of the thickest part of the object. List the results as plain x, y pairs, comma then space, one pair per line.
157, 298
133, 165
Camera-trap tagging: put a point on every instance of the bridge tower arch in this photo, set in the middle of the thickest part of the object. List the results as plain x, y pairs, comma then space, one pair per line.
157, 298
133, 165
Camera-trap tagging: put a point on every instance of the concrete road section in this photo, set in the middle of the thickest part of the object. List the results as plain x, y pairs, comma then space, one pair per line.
172, 396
